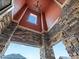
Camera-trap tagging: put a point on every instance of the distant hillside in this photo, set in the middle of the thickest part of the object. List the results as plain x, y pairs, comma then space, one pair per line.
14, 56
62, 57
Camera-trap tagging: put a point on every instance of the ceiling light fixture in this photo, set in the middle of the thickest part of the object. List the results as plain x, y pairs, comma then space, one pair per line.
37, 6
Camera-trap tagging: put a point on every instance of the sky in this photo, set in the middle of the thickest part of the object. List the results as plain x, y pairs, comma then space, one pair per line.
26, 51
33, 52
60, 50
32, 19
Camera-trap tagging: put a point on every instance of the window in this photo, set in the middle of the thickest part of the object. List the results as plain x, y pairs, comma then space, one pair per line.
60, 50
26, 51
4, 4
32, 19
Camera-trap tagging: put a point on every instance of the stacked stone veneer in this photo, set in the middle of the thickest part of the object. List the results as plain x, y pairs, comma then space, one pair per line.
46, 51
27, 37
5, 36
5, 21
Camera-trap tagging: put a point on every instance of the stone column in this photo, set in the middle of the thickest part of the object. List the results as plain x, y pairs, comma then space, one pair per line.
5, 37
46, 50
6, 28
72, 46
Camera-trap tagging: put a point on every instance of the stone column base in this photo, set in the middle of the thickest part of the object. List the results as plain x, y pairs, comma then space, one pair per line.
75, 57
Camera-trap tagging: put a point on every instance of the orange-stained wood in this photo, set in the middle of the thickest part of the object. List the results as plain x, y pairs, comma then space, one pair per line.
49, 8
61, 1
19, 13
53, 12
44, 22
18, 4
26, 24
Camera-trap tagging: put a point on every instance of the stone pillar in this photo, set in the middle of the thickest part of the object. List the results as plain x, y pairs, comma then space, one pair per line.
46, 50
6, 29
72, 46
5, 37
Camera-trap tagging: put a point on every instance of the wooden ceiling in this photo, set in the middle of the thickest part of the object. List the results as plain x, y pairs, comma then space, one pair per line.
44, 4
47, 16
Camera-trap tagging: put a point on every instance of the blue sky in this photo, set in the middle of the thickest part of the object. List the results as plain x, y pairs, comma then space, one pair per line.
34, 53
32, 19
26, 51
60, 50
